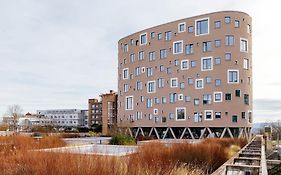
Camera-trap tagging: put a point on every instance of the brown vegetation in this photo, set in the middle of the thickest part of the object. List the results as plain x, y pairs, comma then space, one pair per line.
153, 158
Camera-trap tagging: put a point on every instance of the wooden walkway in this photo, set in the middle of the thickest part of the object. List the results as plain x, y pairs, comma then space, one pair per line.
250, 160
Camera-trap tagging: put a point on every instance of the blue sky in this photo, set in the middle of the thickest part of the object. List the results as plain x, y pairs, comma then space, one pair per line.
59, 53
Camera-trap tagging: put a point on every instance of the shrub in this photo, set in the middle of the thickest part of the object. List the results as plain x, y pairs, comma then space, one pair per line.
122, 140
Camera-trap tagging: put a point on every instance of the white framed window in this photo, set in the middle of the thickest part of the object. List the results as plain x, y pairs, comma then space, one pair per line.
180, 97
129, 103
208, 114
143, 70
206, 63
232, 76
151, 87
243, 45
246, 63
155, 111
202, 26
217, 96
199, 83
143, 38
125, 73
174, 82
181, 27
184, 64
178, 47
181, 113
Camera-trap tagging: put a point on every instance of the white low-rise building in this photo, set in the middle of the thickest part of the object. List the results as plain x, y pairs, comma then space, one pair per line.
63, 117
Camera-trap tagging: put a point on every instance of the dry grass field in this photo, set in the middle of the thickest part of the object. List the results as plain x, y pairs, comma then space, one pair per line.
157, 159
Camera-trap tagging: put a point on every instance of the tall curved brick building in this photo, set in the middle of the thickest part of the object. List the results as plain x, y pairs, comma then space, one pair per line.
190, 78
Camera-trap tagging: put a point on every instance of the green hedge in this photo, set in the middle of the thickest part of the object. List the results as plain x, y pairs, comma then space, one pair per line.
122, 140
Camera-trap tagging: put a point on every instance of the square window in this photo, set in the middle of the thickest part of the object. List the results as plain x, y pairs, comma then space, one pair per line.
218, 43
217, 96
207, 99
206, 63
189, 49
171, 115
218, 82
202, 26
227, 56
177, 47
227, 96
190, 29
196, 101
217, 115
208, 115
218, 60
180, 113
208, 79
233, 76
217, 24
229, 40
193, 63
187, 98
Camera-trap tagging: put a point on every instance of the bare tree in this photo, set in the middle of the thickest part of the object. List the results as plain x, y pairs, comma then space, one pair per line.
14, 111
